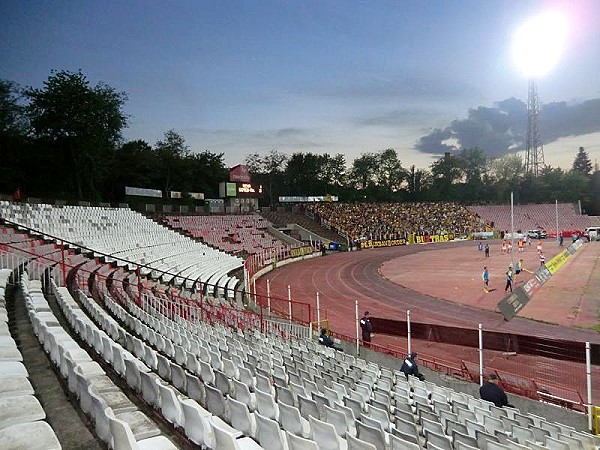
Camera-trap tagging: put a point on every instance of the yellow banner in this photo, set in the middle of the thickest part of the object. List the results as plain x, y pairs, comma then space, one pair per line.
433, 238
558, 261
384, 243
300, 251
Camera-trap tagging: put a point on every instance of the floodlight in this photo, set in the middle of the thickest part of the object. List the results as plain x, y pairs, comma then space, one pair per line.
538, 44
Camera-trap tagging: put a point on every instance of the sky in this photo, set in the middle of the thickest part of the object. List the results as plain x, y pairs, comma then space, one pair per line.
328, 76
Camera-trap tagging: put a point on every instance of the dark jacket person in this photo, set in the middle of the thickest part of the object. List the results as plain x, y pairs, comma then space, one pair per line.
410, 367
491, 392
366, 327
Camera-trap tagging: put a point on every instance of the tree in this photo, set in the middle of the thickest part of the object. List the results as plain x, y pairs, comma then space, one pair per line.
12, 112
333, 172
418, 182
170, 151
390, 174
302, 175
582, 162
508, 171
268, 170
446, 171
364, 171
81, 123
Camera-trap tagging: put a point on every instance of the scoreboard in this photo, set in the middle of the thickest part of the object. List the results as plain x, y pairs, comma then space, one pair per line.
240, 189
249, 190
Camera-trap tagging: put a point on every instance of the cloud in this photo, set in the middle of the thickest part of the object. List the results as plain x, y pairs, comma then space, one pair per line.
503, 127
395, 117
422, 87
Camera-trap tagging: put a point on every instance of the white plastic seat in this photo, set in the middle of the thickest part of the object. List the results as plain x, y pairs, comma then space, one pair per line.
269, 435
13, 386
195, 389
163, 367
215, 402
243, 394
337, 418
355, 443
169, 405
196, 423
150, 390
266, 406
178, 378
241, 418
300, 443
375, 436
227, 441
325, 436
292, 422
29, 435
11, 369
397, 443
308, 408
20, 409
123, 439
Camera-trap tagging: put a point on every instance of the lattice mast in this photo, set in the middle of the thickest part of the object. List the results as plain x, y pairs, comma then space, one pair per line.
534, 154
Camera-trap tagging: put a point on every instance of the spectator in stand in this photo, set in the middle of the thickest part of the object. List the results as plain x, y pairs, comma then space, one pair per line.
383, 221
410, 367
17, 195
366, 327
491, 392
325, 339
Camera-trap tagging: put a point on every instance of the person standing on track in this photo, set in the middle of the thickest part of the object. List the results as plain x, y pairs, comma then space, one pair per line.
509, 279
366, 327
486, 279
487, 250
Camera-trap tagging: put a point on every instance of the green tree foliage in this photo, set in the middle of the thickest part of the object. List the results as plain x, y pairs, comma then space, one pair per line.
14, 143
446, 171
268, 170
390, 174
81, 124
582, 162
13, 121
506, 174
171, 152
418, 183
71, 130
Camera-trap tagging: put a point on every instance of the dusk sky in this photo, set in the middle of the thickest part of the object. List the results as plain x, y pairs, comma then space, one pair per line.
340, 76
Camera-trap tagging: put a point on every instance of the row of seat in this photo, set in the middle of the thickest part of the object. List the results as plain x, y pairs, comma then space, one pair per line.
150, 374
126, 235
527, 217
233, 233
237, 380
21, 414
97, 394
473, 410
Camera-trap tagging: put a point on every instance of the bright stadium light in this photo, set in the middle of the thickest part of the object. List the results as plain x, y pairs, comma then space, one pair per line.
538, 44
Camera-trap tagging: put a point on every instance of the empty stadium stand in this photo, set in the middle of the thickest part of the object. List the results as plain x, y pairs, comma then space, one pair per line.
233, 234
211, 378
122, 236
528, 217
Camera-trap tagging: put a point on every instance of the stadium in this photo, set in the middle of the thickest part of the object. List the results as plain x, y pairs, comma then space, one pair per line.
440, 292
149, 317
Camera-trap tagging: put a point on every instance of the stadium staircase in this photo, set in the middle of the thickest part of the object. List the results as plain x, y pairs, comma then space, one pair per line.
281, 219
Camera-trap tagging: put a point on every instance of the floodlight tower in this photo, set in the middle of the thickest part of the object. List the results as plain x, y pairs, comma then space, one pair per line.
534, 151
537, 46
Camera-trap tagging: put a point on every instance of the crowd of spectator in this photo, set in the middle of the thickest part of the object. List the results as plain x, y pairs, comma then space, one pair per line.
379, 221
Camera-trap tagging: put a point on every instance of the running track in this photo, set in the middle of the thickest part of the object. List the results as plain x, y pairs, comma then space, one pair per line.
342, 278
